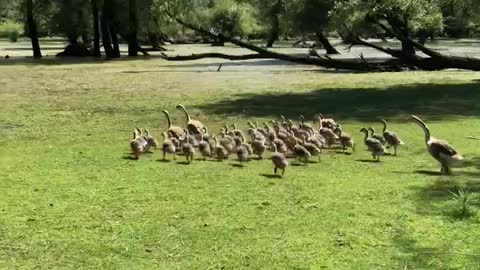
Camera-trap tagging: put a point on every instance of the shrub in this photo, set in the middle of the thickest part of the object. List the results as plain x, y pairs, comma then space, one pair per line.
11, 30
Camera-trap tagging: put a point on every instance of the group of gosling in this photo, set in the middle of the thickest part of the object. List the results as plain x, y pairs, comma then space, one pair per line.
283, 138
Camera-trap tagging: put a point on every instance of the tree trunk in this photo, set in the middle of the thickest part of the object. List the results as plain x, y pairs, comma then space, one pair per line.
96, 30
400, 27
133, 39
423, 36
32, 30
218, 43
72, 38
109, 32
408, 48
105, 26
273, 36
322, 39
116, 46
347, 38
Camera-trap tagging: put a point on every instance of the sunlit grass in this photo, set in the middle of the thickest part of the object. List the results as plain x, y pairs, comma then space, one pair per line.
68, 198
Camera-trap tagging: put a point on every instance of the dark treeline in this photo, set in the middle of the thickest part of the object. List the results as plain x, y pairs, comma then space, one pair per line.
87, 25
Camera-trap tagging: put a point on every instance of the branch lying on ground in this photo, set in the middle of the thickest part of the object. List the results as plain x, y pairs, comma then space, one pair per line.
264, 53
436, 61
213, 55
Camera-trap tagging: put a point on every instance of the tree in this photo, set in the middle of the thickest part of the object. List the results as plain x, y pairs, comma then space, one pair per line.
404, 18
32, 30
273, 13
96, 29
270, 18
109, 34
460, 17
314, 16
226, 17
133, 29
70, 18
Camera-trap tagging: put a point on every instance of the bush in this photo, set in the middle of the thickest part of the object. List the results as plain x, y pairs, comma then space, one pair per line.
11, 30
234, 19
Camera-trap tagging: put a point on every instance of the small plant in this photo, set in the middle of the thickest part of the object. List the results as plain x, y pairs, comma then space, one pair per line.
464, 200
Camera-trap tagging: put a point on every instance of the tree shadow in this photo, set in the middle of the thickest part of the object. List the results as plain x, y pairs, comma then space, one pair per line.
434, 199
430, 199
414, 255
45, 48
53, 60
428, 100
472, 162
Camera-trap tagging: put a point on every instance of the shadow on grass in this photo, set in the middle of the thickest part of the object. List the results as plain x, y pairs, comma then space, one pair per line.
429, 173
472, 162
431, 101
56, 48
431, 199
271, 176
414, 255
130, 158
298, 164
215, 160
183, 163
344, 153
435, 199
53, 60
236, 165
368, 161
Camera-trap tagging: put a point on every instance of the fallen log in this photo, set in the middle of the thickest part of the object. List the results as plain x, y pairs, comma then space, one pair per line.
435, 61
213, 55
264, 53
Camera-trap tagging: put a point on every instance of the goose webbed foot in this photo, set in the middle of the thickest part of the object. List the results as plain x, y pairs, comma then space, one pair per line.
445, 170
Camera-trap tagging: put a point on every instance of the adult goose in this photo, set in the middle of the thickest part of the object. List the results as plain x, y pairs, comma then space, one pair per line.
440, 150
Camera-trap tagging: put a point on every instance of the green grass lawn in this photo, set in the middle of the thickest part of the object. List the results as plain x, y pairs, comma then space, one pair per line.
69, 199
